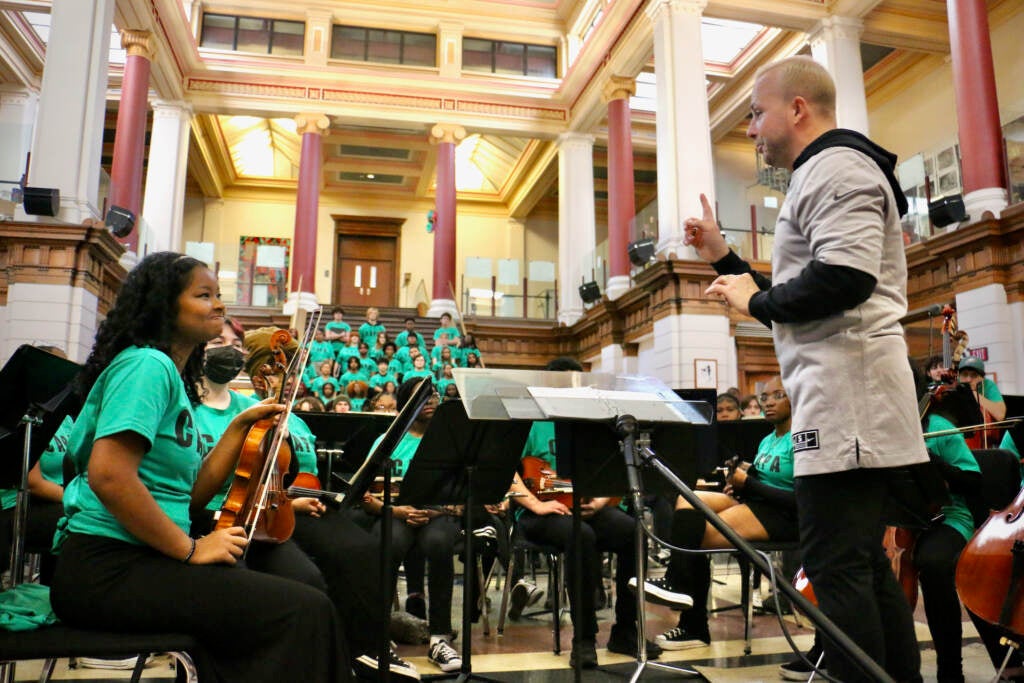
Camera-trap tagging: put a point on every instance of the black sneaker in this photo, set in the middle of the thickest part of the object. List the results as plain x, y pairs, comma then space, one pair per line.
661, 592
773, 602
586, 652
798, 670
523, 595
416, 606
367, 666
681, 639
445, 656
624, 643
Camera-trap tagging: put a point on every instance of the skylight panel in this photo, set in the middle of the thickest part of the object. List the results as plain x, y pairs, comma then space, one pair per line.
723, 40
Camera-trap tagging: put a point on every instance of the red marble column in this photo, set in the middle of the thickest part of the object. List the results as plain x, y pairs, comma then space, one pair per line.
130, 137
446, 137
981, 138
307, 203
621, 202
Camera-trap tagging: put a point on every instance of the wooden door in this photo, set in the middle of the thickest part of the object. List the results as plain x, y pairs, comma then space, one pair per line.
366, 272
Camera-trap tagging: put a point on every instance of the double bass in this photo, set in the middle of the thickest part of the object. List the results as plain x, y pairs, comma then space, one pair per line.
257, 499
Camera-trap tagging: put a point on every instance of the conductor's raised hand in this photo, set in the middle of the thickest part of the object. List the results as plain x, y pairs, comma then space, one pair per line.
736, 290
704, 235
223, 546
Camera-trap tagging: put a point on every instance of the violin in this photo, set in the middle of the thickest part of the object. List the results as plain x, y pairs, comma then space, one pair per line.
305, 485
257, 499
990, 572
545, 483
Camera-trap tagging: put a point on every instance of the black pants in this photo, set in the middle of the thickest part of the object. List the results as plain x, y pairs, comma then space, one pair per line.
841, 543
253, 627
432, 549
349, 558
935, 555
610, 529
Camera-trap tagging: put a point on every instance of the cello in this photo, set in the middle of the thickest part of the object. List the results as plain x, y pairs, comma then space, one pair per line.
990, 572
257, 499
545, 483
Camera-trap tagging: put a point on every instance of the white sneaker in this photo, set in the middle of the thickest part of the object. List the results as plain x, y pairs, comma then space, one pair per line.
126, 664
444, 656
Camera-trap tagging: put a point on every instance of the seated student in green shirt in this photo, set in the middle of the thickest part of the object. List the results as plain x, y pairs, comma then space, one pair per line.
441, 356
419, 369
349, 350
377, 347
410, 331
471, 359
369, 330
336, 330
383, 375
126, 559
446, 327
758, 503
1009, 444
326, 377
320, 349
607, 528
353, 373
971, 372
366, 363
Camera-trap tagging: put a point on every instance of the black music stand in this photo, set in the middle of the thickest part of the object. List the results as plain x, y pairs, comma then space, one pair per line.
460, 461
35, 392
352, 434
372, 467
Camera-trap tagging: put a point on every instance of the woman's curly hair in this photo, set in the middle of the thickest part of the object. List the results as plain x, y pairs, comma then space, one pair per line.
144, 314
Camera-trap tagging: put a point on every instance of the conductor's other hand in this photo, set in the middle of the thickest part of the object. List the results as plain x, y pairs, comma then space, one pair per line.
704, 235
223, 546
552, 507
736, 290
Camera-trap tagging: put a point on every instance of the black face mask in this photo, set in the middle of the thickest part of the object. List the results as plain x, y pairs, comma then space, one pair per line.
223, 364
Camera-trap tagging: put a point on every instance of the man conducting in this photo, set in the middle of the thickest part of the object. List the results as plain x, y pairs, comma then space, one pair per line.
839, 275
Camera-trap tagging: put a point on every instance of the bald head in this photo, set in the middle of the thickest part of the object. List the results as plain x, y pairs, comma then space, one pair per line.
801, 76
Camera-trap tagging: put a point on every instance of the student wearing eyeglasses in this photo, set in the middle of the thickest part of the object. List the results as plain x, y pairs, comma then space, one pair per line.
758, 503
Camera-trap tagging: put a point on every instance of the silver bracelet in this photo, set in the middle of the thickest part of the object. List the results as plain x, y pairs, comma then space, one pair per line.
191, 551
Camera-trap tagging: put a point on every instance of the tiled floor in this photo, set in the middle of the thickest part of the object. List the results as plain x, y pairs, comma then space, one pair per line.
523, 653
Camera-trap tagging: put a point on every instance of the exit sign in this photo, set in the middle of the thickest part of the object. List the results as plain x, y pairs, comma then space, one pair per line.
980, 352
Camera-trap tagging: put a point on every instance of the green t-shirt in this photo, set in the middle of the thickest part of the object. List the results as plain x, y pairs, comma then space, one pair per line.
403, 453
1008, 444
319, 352
212, 423
453, 332
953, 449
340, 327
402, 340
352, 377
379, 380
51, 462
774, 461
317, 385
141, 392
990, 391
412, 374
368, 333
540, 442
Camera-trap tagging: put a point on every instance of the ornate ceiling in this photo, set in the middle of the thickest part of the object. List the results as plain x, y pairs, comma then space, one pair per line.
378, 145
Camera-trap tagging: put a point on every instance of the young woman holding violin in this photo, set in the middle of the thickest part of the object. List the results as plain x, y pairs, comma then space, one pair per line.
127, 562
345, 553
605, 528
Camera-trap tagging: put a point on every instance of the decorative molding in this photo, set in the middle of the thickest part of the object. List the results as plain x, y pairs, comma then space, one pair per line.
253, 89
362, 97
85, 256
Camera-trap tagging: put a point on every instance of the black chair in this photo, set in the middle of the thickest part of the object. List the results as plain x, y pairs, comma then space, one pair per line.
520, 547
50, 643
1000, 475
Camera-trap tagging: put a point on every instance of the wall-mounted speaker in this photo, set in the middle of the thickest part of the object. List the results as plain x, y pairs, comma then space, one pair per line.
121, 221
590, 292
947, 211
641, 252
41, 201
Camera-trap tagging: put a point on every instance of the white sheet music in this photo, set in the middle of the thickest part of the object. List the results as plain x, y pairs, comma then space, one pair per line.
590, 403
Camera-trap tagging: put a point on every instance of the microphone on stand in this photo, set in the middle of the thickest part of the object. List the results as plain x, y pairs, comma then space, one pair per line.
921, 314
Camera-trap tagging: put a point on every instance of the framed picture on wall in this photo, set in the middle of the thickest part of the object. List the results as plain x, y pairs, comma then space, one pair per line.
705, 373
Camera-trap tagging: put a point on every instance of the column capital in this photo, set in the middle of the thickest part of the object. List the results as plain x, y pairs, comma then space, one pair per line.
138, 43
177, 107
618, 88
446, 132
656, 8
574, 139
849, 28
311, 123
